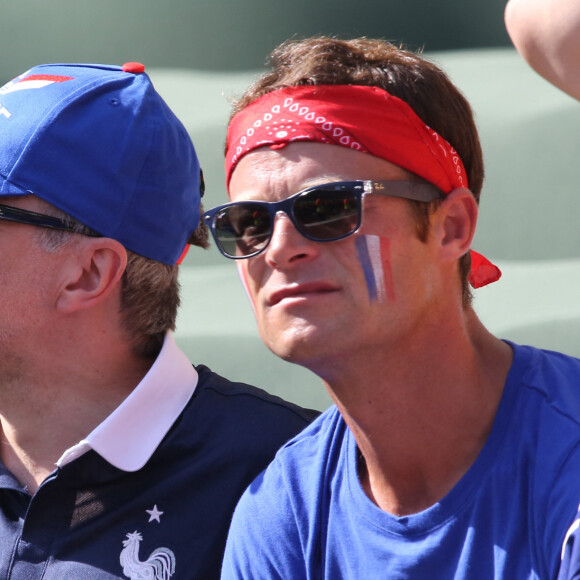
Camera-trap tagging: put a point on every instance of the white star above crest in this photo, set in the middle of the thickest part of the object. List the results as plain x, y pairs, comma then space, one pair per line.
154, 514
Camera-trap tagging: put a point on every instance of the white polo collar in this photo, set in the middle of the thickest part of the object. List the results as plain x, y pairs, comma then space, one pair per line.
128, 437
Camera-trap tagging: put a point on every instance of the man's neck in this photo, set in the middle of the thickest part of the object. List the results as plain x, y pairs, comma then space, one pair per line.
42, 418
420, 426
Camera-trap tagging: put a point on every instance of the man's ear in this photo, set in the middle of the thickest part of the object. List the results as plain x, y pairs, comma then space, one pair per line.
91, 273
456, 224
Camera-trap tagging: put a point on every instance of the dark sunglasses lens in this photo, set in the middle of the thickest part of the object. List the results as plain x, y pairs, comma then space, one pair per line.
243, 229
326, 214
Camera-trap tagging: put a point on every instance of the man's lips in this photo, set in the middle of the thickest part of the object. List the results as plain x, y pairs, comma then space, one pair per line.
310, 289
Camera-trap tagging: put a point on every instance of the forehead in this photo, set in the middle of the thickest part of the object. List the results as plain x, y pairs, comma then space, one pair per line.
282, 172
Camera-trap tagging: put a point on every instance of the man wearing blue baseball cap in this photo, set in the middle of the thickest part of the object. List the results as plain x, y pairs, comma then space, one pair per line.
119, 459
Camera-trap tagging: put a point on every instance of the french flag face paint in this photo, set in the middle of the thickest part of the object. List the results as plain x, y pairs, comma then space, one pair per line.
375, 258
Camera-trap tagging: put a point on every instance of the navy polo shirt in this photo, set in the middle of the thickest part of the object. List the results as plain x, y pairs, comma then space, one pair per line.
150, 492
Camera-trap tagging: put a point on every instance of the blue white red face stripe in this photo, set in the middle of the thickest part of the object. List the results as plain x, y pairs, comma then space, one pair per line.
374, 256
372, 276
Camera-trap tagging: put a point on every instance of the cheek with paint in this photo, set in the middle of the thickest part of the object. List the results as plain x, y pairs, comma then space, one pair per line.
374, 255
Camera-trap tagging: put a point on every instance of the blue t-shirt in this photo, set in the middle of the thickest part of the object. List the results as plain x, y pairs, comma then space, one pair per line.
307, 515
570, 567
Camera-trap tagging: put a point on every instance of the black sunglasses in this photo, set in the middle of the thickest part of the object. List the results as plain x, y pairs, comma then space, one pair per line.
32, 218
324, 213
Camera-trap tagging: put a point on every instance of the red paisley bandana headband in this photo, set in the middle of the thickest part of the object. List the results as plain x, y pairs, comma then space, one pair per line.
363, 118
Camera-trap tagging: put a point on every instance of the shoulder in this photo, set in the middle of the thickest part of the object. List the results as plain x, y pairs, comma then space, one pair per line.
301, 469
546, 385
547, 418
538, 356
244, 396
548, 371
303, 465
321, 443
275, 521
245, 413
553, 375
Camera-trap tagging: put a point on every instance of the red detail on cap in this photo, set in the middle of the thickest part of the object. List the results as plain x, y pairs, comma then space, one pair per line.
183, 254
133, 67
51, 78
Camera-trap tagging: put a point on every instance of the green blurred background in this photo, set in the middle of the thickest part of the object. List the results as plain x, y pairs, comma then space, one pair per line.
202, 54
228, 35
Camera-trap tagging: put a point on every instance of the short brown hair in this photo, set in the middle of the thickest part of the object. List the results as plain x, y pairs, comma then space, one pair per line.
404, 74
149, 289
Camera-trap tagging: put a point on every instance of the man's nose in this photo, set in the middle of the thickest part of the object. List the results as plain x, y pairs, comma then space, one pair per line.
287, 244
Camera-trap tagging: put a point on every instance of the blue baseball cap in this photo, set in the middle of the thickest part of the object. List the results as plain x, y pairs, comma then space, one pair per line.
99, 143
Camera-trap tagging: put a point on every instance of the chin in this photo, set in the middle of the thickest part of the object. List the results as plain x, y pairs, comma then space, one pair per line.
296, 345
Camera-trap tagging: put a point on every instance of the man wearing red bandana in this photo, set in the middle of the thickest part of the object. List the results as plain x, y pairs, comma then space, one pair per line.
354, 170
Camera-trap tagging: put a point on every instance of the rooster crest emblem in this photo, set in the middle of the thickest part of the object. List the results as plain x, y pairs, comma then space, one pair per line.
160, 565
